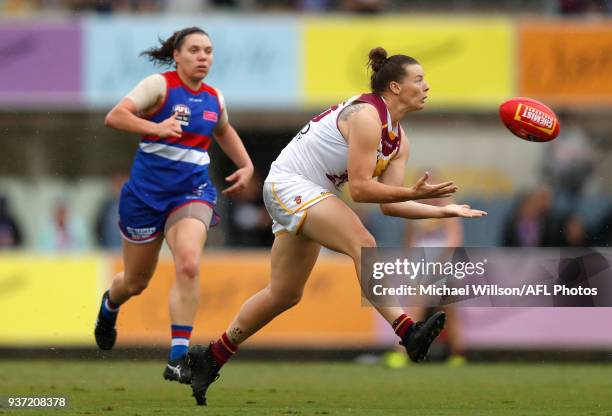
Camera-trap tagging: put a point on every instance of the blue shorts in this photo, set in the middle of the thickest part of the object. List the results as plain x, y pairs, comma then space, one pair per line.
140, 223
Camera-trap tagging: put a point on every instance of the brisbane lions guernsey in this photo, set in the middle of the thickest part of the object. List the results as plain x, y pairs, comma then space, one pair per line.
167, 167
319, 152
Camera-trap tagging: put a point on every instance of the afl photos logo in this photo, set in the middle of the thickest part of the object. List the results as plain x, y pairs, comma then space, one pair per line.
183, 113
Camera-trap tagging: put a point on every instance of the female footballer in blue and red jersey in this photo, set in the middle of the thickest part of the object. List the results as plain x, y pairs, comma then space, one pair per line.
169, 194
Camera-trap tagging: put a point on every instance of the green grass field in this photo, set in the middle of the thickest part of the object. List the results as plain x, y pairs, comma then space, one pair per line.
137, 389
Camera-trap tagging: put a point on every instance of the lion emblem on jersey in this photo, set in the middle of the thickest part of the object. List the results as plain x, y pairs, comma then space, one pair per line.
381, 165
387, 149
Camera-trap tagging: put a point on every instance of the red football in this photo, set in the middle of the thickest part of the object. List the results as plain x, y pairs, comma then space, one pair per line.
529, 119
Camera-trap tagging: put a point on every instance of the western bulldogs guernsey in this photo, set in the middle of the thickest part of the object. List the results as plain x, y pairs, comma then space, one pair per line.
170, 172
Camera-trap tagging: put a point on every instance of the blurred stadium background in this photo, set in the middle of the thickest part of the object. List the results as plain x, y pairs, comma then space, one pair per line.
65, 63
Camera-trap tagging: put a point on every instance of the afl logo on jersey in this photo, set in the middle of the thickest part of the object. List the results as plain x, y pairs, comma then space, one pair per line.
183, 113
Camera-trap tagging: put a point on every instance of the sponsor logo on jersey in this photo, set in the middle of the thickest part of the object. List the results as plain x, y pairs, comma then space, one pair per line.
298, 199
210, 116
183, 113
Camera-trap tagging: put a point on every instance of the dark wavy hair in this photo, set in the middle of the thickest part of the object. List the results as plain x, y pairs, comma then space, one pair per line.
164, 54
386, 69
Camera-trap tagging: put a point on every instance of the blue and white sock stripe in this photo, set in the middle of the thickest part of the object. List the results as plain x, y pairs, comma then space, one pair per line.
180, 341
181, 334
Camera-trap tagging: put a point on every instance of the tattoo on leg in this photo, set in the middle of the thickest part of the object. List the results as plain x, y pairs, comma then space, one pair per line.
235, 334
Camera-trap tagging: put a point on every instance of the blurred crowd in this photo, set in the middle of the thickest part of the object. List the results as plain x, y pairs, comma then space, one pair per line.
538, 218
571, 206
563, 7
554, 214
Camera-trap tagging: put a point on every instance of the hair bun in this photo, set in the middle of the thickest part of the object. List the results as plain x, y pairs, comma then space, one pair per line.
377, 56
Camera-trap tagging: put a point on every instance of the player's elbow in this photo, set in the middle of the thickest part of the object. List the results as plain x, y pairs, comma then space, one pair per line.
359, 192
110, 119
115, 116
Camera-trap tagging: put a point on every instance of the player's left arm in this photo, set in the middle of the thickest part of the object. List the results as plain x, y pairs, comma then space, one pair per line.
232, 146
394, 175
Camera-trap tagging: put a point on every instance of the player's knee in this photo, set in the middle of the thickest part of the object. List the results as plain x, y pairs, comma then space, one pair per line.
136, 287
289, 302
293, 299
367, 240
362, 240
188, 267
284, 301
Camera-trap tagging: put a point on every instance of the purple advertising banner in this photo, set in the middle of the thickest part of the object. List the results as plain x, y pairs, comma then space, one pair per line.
40, 64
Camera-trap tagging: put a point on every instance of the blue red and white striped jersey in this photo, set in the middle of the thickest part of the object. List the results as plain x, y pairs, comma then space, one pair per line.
166, 167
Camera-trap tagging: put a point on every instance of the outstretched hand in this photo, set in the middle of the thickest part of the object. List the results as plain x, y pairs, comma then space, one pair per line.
241, 179
454, 210
424, 190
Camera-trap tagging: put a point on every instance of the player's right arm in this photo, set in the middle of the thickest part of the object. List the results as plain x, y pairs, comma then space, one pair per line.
145, 98
360, 125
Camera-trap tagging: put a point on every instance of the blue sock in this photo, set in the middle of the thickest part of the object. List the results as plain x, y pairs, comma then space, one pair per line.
109, 309
180, 340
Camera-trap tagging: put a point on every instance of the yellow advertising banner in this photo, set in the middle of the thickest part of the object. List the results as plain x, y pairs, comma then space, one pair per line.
566, 62
468, 63
48, 300
330, 313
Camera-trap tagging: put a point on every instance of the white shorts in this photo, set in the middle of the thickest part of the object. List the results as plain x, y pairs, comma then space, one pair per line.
288, 200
